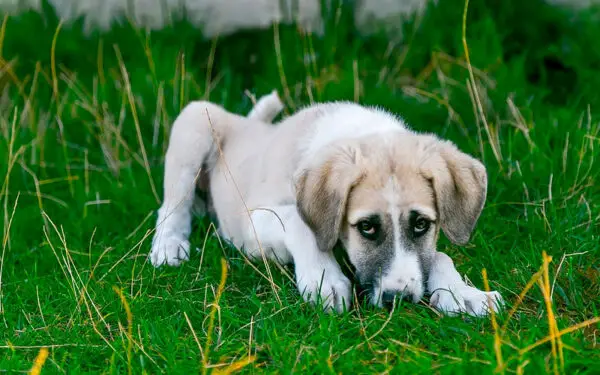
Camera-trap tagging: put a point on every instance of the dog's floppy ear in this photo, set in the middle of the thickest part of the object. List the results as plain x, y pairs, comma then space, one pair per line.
460, 185
322, 192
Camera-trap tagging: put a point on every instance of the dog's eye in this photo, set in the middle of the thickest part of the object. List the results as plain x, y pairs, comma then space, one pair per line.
367, 229
420, 226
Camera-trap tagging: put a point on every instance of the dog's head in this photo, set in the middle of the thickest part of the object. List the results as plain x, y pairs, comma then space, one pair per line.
385, 197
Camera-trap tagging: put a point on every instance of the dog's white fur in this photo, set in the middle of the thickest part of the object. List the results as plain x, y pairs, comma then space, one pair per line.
411, 280
253, 168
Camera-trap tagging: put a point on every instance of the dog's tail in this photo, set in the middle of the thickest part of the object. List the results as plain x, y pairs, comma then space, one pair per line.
267, 108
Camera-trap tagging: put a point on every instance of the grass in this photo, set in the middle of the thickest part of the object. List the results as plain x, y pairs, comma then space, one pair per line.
83, 129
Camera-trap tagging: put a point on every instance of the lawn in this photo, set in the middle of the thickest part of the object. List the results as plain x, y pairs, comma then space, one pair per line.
84, 123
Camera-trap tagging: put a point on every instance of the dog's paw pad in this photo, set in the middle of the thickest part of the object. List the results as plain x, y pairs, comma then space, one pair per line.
169, 249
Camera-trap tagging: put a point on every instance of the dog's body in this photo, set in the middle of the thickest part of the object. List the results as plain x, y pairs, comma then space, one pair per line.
331, 172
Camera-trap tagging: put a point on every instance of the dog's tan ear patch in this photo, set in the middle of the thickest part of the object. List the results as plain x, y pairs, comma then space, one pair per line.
322, 193
460, 185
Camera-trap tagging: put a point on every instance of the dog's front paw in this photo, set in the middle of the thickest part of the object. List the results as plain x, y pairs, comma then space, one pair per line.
169, 248
466, 299
330, 287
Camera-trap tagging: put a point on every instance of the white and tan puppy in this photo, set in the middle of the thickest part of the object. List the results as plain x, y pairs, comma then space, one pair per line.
331, 173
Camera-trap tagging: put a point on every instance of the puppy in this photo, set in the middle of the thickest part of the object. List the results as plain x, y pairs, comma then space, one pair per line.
331, 173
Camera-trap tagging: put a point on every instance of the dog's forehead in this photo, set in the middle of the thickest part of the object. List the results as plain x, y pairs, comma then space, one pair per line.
391, 175
380, 189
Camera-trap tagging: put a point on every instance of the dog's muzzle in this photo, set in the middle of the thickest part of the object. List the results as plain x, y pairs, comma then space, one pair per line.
388, 297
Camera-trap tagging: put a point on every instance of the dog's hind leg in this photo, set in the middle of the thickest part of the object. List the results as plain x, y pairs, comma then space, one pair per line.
265, 110
191, 146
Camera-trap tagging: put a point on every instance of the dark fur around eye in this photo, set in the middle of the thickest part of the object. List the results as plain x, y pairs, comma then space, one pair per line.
419, 225
369, 228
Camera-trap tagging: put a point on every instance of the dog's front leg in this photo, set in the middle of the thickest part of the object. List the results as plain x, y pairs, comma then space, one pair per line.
318, 275
451, 295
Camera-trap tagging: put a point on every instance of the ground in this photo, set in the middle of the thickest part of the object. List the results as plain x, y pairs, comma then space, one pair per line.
84, 123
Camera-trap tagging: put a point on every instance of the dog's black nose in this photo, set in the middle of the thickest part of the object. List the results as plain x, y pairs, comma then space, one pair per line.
387, 297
